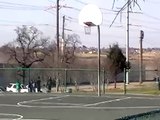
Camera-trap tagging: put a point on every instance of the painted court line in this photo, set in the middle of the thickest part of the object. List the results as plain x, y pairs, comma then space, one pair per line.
149, 98
108, 101
37, 100
78, 106
8, 105
135, 107
96, 108
73, 104
34, 119
10, 116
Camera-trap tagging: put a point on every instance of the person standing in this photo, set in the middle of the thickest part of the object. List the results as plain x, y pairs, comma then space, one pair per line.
39, 84
18, 86
30, 86
49, 84
34, 86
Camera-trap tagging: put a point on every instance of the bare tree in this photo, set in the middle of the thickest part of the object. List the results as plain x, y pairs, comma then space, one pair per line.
68, 52
70, 45
51, 60
28, 48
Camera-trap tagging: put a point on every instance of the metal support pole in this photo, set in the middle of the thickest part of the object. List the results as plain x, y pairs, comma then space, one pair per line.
141, 57
57, 35
29, 73
57, 19
140, 63
63, 27
104, 81
99, 64
62, 42
124, 80
65, 80
127, 41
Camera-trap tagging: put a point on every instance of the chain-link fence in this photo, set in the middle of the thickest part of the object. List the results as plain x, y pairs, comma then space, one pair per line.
69, 77
65, 77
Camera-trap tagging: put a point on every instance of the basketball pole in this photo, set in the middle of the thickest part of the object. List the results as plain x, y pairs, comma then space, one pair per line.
89, 24
91, 15
99, 61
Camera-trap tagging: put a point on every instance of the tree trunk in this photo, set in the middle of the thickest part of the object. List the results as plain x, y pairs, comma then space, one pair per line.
115, 82
57, 84
24, 75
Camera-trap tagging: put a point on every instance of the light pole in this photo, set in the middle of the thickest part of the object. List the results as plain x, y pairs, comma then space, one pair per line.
91, 15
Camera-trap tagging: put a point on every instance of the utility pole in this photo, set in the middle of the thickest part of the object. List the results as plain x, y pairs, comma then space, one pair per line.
127, 40
63, 27
62, 42
141, 57
57, 19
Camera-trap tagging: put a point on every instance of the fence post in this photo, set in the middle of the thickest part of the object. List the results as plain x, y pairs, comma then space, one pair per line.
65, 79
103, 81
124, 80
29, 75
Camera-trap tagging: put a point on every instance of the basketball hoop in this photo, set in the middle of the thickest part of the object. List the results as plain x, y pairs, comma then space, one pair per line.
87, 30
89, 16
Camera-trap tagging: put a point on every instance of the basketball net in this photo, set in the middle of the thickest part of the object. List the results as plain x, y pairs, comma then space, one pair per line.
87, 30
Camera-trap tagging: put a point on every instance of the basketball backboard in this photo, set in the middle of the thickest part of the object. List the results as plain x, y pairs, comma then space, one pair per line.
90, 15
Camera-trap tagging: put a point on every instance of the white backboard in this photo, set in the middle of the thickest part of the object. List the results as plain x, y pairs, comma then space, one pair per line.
90, 15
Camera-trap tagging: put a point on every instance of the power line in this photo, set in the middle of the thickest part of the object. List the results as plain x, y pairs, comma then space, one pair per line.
48, 25
17, 6
153, 2
153, 17
83, 3
104, 9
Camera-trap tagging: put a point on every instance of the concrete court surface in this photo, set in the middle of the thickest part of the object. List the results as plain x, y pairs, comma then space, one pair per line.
40, 106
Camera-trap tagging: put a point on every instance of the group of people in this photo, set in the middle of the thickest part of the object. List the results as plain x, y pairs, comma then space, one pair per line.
34, 86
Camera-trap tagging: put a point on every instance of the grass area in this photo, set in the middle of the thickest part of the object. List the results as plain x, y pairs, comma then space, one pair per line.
143, 89
87, 55
121, 91
133, 88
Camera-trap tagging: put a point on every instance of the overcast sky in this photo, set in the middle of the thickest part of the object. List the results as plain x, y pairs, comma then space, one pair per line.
42, 14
